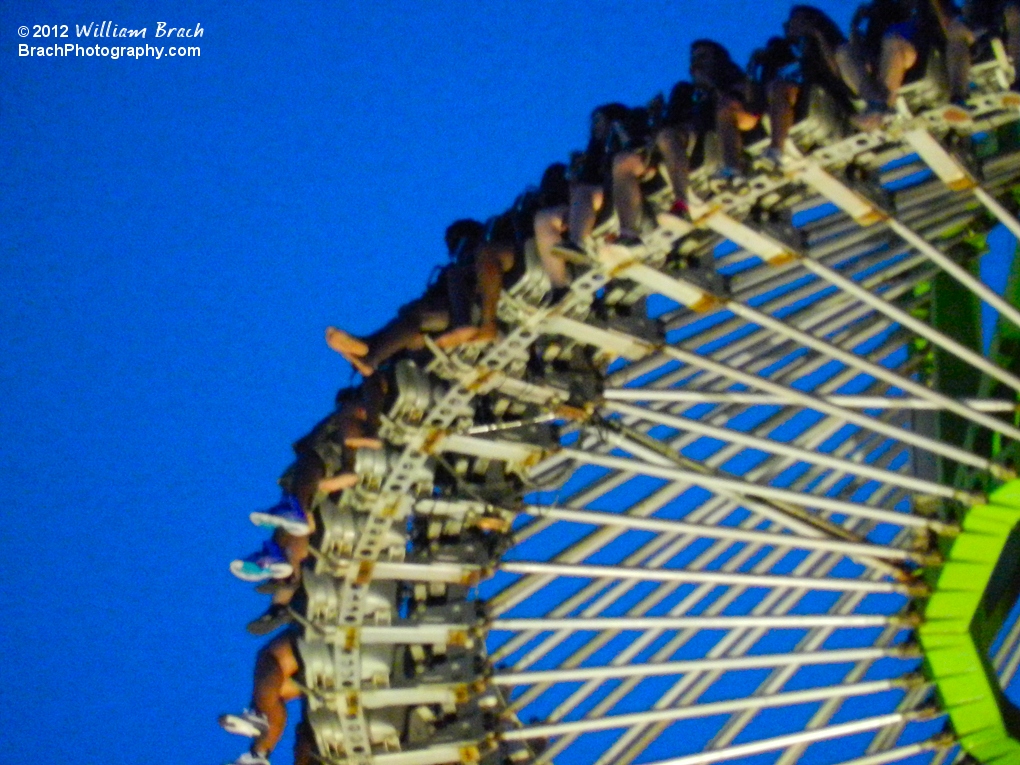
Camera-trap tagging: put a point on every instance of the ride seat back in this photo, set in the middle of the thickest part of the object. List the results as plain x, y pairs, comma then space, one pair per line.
414, 394
317, 664
994, 73
706, 156
324, 596
929, 90
374, 466
533, 284
819, 119
342, 526
329, 736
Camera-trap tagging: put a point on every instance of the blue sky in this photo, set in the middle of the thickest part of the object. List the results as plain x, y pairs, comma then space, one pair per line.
175, 236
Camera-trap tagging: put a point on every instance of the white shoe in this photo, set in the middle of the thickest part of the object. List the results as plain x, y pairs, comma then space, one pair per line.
251, 759
249, 723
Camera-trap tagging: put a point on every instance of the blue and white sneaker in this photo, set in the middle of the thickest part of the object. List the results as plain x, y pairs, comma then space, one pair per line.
286, 514
267, 563
249, 723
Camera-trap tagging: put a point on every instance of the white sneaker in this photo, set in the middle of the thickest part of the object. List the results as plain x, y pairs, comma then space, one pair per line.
249, 723
251, 759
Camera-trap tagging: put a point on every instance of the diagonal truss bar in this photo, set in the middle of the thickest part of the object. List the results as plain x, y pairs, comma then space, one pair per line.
901, 752
742, 398
525, 587
884, 373
665, 526
691, 688
701, 710
758, 490
916, 325
782, 742
811, 402
708, 577
788, 515
778, 447
852, 621
725, 664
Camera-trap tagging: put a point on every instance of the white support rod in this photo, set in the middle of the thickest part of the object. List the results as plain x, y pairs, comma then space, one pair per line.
526, 587
836, 307
735, 533
897, 754
513, 452
738, 640
380, 698
858, 207
711, 512
807, 400
754, 353
782, 513
782, 742
597, 624
854, 361
439, 754
750, 361
735, 641
724, 664
789, 450
452, 573
703, 577
422, 634
515, 593
709, 383
957, 177
617, 343
581, 599
762, 399
698, 710
958, 272
755, 490
683, 376
999, 212
903, 318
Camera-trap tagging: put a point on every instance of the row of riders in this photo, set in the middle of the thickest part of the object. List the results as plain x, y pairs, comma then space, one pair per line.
889, 42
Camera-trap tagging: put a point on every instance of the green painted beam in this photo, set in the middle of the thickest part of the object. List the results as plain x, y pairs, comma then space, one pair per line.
961, 620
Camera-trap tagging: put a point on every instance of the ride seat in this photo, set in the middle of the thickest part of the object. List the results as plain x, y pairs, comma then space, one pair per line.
374, 466
342, 526
927, 91
324, 596
533, 284
993, 72
329, 737
318, 662
413, 393
819, 119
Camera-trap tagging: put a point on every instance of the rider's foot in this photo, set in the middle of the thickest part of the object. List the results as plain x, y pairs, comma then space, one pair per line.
267, 563
249, 723
350, 347
287, 515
